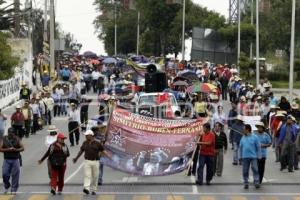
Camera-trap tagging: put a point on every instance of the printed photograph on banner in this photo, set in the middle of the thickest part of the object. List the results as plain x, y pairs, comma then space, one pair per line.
149, 146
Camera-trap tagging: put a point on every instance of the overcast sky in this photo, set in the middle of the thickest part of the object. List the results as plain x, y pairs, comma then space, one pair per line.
77, 17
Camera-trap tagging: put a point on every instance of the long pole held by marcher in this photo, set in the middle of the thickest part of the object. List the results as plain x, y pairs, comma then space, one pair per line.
292, 51
193, 156
183, 31
138, 34
115, 27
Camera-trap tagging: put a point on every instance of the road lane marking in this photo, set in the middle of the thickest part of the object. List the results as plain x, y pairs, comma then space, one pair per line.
74, 173
172, 197
128, 179
39, 197
269, 198
207, 198
194, 187
238, 198
72, 197
6, 197
107, 197
228, 194
144, 197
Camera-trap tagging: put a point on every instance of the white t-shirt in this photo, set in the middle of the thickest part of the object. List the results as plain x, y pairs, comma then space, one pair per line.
95, 75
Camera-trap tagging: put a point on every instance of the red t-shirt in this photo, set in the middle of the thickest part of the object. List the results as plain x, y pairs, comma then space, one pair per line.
208, 150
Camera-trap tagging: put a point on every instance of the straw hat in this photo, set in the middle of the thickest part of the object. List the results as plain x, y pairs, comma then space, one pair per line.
282, 112
295, 106
240, 117
261, 124
243, 98
266, 85
52, 128
279, 115
18, 107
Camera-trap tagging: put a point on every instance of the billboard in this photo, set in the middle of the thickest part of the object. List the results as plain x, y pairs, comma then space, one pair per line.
207, 45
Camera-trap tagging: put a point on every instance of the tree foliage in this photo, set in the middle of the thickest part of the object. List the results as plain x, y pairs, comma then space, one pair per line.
6, 16
7, 61
161, 25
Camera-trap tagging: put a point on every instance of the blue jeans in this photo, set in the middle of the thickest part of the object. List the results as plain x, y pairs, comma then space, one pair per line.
100, 178
209, 162
254, 167
11, 168
236, 153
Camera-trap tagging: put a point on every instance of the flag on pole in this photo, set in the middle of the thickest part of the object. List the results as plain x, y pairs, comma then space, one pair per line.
129, 4
173, 2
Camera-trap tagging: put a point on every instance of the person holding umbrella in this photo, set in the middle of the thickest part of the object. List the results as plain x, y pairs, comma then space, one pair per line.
57, 153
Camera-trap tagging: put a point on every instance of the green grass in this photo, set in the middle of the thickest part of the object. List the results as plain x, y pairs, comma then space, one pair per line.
285, 84
279, 84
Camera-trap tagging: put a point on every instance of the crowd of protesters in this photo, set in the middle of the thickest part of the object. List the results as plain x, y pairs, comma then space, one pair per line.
78, 77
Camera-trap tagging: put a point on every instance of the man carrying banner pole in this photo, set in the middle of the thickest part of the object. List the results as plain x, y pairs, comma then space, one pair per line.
207, 154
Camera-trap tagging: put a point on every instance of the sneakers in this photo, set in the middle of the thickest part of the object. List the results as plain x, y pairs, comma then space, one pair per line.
246, 187
52, 191
257, 186
199, 183
85, 191
5, 191
93, 193
13, 193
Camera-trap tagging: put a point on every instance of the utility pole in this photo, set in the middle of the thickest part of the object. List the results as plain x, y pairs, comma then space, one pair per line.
257, 43
291, 86
115, 27
239, 35
45, 21
252, 21
52, 32
17, 17
138, 34
183, 31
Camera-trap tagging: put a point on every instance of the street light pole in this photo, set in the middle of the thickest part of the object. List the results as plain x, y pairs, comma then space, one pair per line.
138, 34
252, 21
292, 50
239, 35
257, 43
52, 32
45, 20
115, 28
183, 31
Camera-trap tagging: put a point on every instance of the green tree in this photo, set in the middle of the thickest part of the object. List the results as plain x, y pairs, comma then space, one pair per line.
161, 25
7, 61
6, 15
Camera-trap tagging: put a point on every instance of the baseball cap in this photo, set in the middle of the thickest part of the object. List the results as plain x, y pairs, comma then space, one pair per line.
61, 136
89, 132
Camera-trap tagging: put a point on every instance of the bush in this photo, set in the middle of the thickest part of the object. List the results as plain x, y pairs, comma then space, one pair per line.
278, 76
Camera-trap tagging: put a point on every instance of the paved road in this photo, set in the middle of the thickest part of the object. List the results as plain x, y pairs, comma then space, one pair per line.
34, 179
163, 192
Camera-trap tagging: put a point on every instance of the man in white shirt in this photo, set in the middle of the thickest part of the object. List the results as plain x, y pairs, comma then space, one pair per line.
36, 114
74, 124
50, 105
95, 76
250, 93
